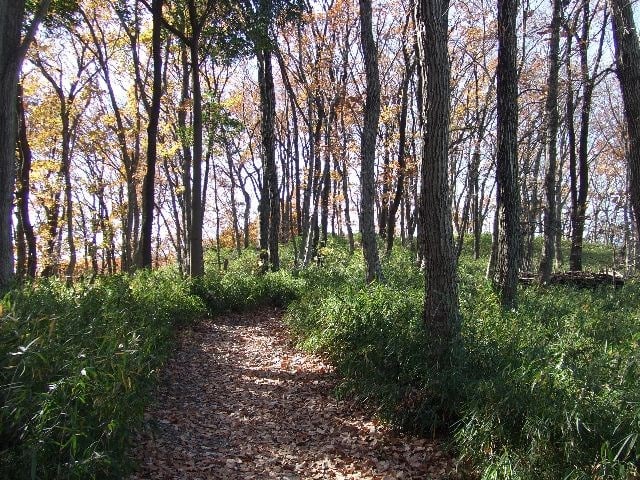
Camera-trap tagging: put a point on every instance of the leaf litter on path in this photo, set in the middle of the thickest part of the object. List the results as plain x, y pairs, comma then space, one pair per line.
237, 401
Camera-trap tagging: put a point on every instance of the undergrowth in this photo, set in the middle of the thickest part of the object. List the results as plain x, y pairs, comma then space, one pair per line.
76, 366
550, 391
77, 363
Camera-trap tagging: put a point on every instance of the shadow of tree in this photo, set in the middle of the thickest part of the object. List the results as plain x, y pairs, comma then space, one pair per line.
237, 401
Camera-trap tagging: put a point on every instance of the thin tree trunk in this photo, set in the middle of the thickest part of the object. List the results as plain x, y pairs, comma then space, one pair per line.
186, 152
344, 174
588, 80
234, 206
195, 239
402, 164
551, 221
326, 178
295, 140
23, 191
270, 197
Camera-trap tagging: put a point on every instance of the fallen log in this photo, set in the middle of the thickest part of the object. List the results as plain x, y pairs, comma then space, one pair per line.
578, 279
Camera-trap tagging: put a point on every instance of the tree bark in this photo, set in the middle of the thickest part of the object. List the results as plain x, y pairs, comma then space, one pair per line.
551, 221
326, 177
296, 149
129, 160
505, 276
187, 158
270, 197
13, 48
23, 191
588, 80
441, 308
148, 184
269, 117
195, 238
344, 181
368, 144
627, 49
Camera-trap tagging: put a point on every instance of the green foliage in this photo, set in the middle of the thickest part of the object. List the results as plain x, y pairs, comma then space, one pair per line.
549, 391
76, 366
558, 392
243, 289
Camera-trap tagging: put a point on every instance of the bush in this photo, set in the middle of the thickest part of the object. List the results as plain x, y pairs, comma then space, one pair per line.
376, 339
76, 366
240, 291
559, 391
549, 391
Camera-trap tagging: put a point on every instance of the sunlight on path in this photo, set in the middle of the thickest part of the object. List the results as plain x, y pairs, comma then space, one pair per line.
237, 401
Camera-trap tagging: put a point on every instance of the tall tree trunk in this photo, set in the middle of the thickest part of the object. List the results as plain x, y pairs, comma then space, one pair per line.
12, 51
402, 163
588, 81
187, 158
270, 197
368, 144
148, 184
234, 206
383, 198
474, 183
23, 191
296, 134
312, 192
441, 308
505, 276
274, 194
129, 161
326, 177
344, 180
247, 212
627, 48
66, 171
195, 239
551, 221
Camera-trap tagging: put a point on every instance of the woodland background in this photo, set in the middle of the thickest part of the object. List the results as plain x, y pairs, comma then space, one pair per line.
383, 171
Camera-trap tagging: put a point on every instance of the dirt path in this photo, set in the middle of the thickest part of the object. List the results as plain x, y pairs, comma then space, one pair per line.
238, 402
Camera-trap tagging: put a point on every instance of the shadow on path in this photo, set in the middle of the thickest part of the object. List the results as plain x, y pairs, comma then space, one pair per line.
236, 401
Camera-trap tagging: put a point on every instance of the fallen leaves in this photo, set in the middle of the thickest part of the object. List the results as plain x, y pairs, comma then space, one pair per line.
237, 402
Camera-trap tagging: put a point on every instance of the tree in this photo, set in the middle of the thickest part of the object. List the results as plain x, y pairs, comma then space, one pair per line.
505, 274
551, 221
579, 164
627, 49
69, 118
148, 190
402, 163
13, 48
27, 265
101, 44
197, 19
270, 199
441, 313
368, 144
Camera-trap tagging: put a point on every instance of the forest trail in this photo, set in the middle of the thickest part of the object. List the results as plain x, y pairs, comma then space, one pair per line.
237, 401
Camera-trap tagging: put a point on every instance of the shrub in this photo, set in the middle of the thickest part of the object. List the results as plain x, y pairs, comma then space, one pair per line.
76, 366
238, 290
548, 391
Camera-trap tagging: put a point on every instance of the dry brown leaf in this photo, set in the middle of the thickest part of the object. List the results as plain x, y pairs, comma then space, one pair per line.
237, 402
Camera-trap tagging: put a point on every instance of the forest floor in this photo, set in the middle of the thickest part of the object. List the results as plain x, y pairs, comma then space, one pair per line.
238, 401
